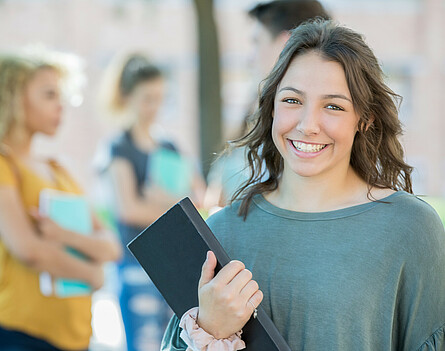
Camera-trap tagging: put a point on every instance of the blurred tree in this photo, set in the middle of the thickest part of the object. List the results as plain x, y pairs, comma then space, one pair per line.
209, 83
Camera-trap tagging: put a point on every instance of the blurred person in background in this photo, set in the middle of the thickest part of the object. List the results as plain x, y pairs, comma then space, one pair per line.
141, 192
272, 23
30, 243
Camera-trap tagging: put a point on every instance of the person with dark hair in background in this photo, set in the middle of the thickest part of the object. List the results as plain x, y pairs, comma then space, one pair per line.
32, 244
135, 94
273, 21
346, 257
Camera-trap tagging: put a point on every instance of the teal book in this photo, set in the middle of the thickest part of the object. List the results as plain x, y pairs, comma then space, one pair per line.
72, 213
171, 171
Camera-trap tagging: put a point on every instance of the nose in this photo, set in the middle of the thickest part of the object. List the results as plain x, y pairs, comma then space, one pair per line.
309, 121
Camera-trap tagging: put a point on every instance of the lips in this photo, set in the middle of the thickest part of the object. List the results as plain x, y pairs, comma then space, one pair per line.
307, 147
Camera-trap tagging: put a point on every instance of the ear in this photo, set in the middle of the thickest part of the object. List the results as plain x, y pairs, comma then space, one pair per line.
370, 122
363, 127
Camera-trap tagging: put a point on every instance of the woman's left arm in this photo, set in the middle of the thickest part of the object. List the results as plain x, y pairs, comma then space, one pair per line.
100, 246
421, 298
436, 342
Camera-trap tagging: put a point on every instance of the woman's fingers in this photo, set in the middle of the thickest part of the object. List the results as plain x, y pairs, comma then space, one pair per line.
228, 273
35, 214
208, 269
233, 278
255, 300
224, 276
240, 280
227, 299
249, 289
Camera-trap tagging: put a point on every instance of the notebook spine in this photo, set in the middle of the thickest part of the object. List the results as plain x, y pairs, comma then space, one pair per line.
204, 231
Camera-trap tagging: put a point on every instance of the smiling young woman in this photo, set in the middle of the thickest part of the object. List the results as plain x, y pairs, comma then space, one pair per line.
314, 122
346, 257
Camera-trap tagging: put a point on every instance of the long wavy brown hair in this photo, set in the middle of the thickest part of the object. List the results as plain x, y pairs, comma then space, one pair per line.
377, 155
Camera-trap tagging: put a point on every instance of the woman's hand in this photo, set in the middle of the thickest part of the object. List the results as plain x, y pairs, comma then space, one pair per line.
97, 277
160, 196
47, 228
227, 300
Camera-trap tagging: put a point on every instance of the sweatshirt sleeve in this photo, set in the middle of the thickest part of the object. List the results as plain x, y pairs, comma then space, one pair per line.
435, 342
171, 340
421, 306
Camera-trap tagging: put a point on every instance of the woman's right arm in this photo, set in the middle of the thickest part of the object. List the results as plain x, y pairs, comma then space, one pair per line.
172, 340
227, 299
133, 208
226, 302
24, 242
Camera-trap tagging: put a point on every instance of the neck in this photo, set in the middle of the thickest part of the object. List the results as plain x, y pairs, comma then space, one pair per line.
141, 135
319, 194
143, 125
18, 143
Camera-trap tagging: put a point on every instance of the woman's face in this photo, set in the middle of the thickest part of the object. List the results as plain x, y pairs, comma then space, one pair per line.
265, 49
146, 99
42, 102
314, 121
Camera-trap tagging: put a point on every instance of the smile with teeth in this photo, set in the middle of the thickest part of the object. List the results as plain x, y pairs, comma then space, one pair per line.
303, 147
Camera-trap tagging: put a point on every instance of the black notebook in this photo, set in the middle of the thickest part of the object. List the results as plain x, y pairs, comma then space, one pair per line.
172, 251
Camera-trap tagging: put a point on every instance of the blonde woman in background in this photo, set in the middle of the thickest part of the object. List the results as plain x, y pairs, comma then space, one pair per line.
137, 91
30, 104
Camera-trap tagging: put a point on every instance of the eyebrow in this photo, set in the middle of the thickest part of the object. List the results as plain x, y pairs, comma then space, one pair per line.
337, 96
299, 92
329, 96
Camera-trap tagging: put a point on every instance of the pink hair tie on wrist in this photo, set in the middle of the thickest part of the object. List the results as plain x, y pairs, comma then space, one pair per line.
197, 339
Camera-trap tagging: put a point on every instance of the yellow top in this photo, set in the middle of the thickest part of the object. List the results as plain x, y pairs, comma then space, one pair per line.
63, 322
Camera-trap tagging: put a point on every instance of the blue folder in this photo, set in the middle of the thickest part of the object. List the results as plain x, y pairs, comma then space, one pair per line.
72, 213
171, 171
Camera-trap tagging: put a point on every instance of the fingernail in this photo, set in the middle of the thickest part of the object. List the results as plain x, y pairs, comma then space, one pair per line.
208, 255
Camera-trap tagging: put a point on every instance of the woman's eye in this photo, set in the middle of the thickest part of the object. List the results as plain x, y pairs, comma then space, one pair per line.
50, 94
334, 108
291, 101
